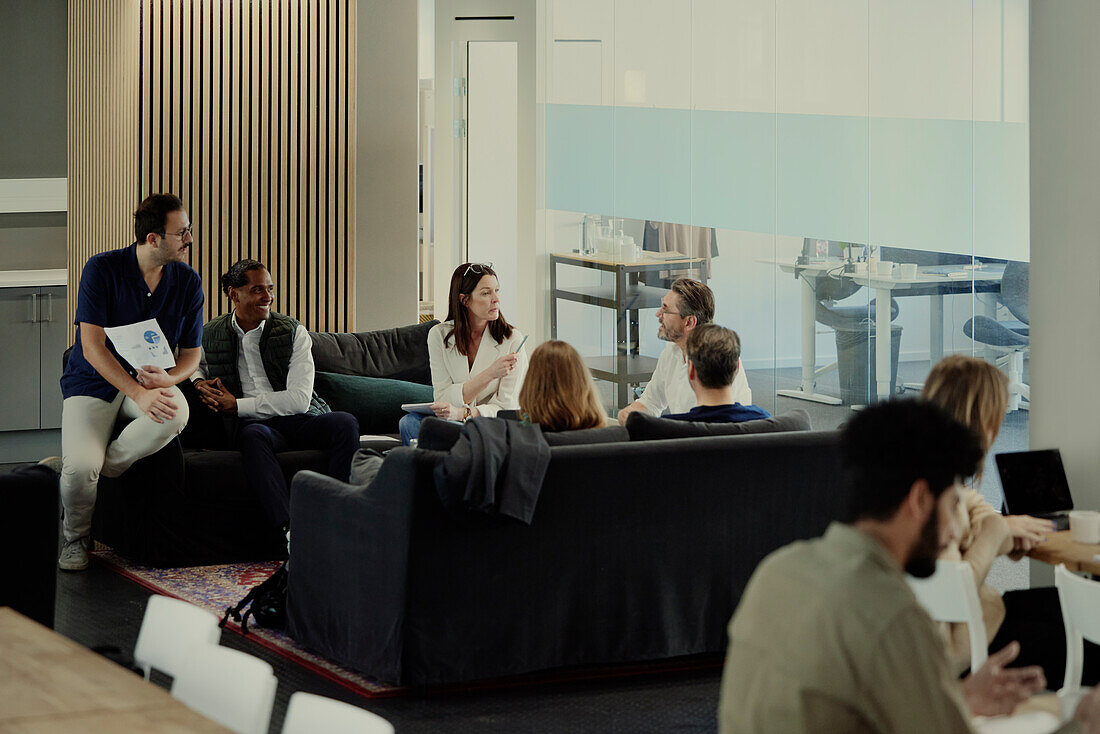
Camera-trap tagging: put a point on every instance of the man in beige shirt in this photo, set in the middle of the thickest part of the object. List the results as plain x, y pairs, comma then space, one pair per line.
828, 636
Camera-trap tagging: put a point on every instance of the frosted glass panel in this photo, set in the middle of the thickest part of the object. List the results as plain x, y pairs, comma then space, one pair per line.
793, 128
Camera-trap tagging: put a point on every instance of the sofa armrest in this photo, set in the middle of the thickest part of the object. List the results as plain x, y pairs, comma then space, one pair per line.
349, 559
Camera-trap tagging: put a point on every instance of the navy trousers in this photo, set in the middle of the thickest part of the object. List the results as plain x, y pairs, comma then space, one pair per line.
336, 432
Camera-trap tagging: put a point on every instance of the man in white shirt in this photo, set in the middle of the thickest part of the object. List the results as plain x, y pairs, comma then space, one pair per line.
257, 366
688, 304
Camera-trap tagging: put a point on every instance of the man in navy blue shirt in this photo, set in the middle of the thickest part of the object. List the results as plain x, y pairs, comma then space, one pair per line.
714, 357
147, 280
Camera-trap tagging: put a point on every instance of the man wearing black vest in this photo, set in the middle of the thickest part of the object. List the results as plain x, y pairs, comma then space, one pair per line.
257, 365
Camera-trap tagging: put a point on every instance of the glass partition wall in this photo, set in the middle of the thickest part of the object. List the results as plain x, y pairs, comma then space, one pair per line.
844, 175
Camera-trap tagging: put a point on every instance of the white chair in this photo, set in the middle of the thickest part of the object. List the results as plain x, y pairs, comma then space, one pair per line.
170, 631
950, 595
1080, 600
228, 686
308, 714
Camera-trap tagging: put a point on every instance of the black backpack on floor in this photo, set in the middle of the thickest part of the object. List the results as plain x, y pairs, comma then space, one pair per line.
266, 604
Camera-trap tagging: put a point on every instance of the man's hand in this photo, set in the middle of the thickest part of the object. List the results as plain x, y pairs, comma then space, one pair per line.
630, 409
994, 690
157, 404
1088, 712
151, 376
216, 397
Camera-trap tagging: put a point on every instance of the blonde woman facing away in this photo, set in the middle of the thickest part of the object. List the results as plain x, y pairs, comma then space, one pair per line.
477, 358
976, 394
558, 392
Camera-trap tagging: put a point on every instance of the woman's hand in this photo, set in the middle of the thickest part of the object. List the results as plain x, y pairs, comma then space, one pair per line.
501, 367
1027, 532
447, 411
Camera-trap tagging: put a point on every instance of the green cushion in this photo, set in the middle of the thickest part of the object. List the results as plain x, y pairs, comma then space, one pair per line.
374, 401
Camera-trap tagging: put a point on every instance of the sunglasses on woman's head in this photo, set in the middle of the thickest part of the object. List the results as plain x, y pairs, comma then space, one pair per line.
478, 268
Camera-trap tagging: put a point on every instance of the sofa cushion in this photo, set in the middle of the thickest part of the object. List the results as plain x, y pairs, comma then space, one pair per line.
399, 354
644, 427
374, 401
440, 435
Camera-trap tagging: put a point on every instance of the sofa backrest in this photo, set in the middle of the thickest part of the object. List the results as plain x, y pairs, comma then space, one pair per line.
664, 533
645, 427
399, 354
441, 435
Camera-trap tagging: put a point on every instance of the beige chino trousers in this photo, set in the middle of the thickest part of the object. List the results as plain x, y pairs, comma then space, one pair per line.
88, 452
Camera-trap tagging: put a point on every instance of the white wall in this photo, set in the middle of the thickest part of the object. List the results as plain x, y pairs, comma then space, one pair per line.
1065, 224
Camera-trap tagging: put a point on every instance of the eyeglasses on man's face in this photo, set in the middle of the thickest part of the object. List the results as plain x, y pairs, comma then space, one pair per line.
663, 310
181, 234
478, 268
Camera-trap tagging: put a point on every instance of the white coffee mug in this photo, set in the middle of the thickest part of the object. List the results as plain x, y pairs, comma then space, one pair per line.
908, 271
1084, 526
885, 269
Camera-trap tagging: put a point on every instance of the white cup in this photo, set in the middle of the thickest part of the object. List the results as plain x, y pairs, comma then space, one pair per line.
872, 264
861, 268
885, 269
1084, 526
907, 271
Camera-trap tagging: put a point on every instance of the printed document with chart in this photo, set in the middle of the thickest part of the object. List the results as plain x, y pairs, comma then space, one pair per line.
141, 344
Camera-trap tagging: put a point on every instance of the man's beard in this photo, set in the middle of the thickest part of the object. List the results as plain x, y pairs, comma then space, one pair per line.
668, 334
922, 560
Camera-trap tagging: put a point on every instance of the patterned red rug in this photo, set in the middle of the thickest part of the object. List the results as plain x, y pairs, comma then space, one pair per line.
218, 587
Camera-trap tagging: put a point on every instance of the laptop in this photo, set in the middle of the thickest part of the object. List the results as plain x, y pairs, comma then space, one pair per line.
1034, 483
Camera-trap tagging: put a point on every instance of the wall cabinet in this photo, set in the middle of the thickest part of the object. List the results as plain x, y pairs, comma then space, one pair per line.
32, 339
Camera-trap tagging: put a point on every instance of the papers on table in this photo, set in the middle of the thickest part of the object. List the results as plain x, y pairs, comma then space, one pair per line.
141, 344
423, 408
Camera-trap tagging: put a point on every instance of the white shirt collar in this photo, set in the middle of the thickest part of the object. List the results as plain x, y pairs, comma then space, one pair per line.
242, 332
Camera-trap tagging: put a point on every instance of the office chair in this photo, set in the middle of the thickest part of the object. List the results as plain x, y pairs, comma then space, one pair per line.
951, 595
1078, 597
170, 631
1010, 338
308, 713
229, 686
850, 320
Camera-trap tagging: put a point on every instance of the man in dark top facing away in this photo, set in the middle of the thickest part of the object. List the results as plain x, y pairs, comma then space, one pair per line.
147, 280
257, 367
714, 357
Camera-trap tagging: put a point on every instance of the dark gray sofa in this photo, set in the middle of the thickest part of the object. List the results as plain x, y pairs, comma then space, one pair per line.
189, 504
637, 551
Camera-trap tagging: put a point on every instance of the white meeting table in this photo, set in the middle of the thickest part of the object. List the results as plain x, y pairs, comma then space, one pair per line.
930, 284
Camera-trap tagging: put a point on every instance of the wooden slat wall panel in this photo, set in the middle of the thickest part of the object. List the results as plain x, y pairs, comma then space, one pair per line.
242, 127
242, 108
102, 107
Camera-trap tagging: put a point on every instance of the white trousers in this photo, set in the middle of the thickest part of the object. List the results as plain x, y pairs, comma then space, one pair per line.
87, 450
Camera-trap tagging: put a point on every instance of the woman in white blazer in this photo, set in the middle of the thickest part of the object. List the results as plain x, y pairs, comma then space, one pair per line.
477, 358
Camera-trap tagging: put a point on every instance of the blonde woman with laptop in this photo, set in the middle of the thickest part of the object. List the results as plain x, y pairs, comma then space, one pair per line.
976, 394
